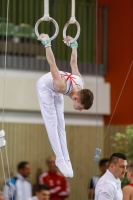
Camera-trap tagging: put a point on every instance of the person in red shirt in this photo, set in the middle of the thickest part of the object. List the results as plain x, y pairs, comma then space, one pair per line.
58, 184
128, 189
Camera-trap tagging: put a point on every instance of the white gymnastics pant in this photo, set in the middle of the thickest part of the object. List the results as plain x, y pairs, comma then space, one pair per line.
52, 109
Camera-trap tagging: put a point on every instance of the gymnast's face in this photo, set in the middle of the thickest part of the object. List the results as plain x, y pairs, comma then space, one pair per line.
77, 105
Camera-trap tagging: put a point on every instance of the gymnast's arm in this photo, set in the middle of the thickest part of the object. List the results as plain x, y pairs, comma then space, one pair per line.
51, 61
73, 63
53, 67
73, 60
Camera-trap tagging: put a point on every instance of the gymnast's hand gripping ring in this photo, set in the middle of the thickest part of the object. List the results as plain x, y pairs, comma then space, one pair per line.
78, 29
72, 21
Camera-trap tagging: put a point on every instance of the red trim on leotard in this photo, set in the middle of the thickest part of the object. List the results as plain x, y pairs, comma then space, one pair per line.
69, 77
131, 184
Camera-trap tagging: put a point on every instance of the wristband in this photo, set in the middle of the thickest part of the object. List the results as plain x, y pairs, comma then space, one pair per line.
74, 44
46, 43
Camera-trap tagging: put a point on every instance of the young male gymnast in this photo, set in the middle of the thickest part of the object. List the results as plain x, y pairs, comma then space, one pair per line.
50, 90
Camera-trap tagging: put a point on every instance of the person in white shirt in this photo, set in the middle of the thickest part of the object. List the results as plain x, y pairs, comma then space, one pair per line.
109, 185
42, 193
18, 188
103, 166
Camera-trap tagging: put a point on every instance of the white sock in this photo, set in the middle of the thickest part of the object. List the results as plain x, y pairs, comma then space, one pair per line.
63, 167
68, 163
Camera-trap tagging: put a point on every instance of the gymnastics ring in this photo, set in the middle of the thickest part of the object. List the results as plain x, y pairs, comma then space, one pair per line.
47, 19
78, 29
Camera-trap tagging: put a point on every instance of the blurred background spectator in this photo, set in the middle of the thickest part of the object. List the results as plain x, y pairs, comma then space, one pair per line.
18, 188
59, 187
128, 189
42, 193
103, 165
1, 196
